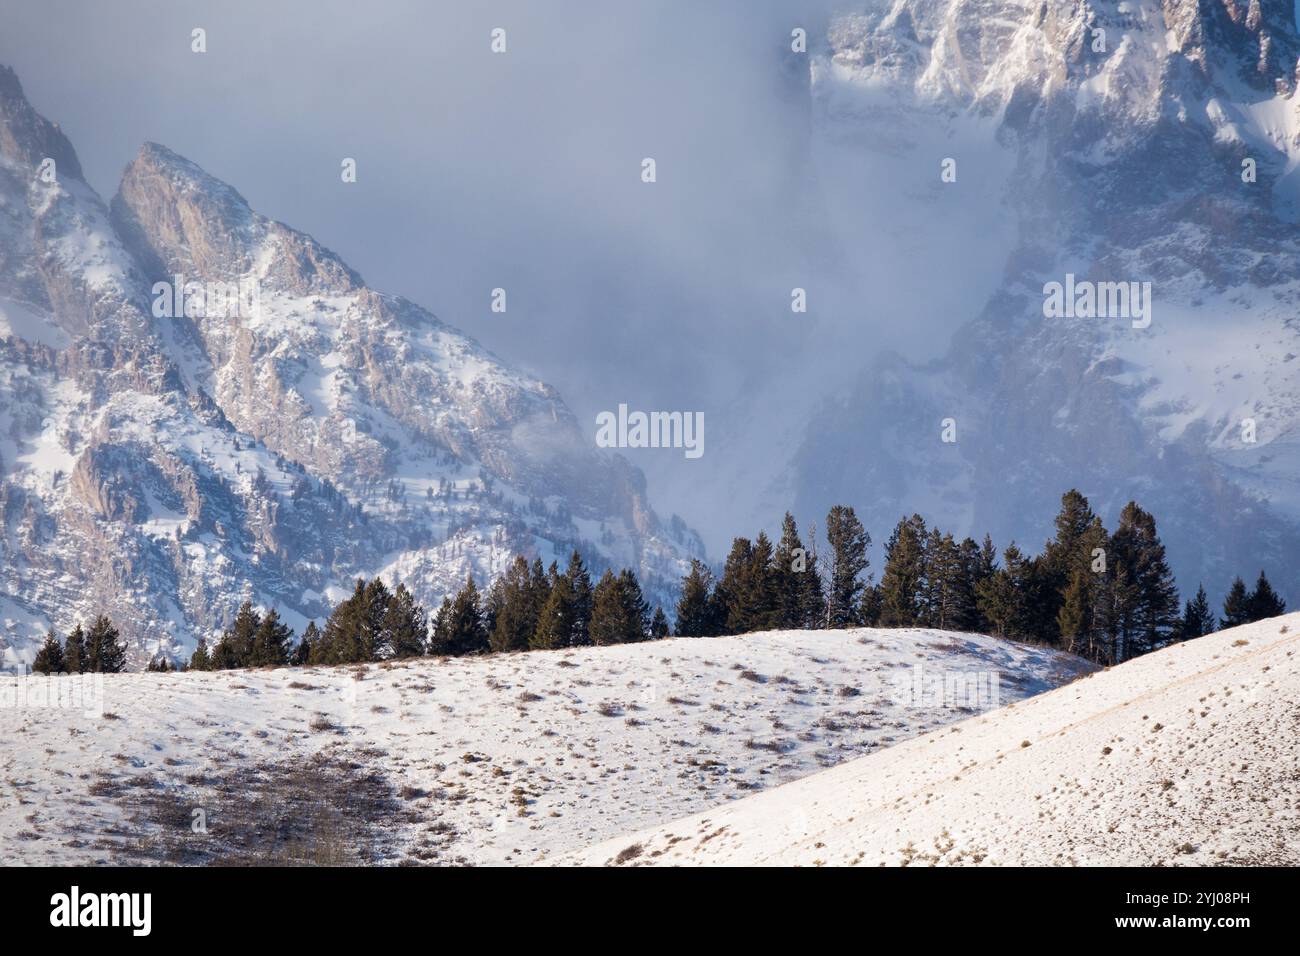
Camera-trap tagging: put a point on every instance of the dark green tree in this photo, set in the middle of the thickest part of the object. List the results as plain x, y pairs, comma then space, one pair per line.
105, 654
1236, 606
271, 642
848, 542
1198, 619
74, 651
1264, 602
902, 586
695, 607
49, 659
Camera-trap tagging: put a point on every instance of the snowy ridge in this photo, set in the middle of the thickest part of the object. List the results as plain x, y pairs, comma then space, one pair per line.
511, 758
1184, 756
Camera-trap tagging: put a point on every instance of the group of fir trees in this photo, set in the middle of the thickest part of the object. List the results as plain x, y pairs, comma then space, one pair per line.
763, 587
97, 650
527, 608
1107, 596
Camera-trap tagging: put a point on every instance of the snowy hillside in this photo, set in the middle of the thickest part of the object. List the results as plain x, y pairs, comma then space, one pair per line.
1190, 755
504, 759
166, 454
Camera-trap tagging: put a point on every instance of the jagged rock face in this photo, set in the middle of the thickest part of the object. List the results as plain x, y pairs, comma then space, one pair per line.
160, 462
1128, 164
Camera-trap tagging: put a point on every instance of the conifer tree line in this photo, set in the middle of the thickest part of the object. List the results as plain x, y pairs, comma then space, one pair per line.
529, 607
1107, 596
97, 650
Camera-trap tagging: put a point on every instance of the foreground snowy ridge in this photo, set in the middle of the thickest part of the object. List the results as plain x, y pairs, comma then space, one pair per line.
1190, 755
511, 758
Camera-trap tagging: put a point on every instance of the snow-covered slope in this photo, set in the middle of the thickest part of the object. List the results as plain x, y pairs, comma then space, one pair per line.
1190, 755
1125, 126
501, 759
161, 463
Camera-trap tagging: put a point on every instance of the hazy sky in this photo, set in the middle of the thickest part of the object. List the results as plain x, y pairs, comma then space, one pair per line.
522, 170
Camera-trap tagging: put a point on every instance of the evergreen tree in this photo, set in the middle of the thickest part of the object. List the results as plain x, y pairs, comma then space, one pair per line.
440, 638
463, 629
789, 564
199, 660
74, 651
556, 623
1069, 551
235, 648
1004, 595
271, 642
1197, 620
658, 624
848, 559
516, 620
695, 608
1138, 549
302, 654
580, 585
49, 659
405, 625
902, 585
732, 592
636, 611
1236, 606
1076, 614
870, 611
1264, 601
104, 653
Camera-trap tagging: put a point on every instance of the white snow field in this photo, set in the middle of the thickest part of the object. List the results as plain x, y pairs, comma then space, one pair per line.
1188, 756
504, 759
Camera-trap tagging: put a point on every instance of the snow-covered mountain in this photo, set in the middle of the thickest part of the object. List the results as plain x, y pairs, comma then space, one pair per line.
1124, 130
160, 462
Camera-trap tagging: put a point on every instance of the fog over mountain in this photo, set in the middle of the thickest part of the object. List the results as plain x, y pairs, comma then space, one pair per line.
776, 170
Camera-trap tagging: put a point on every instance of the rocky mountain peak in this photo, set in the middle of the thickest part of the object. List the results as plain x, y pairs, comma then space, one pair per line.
26, 137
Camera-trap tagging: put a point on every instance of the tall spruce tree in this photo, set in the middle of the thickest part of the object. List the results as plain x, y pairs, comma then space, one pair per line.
74, 651
848, 542
1264, 602
732, 591
200, 660
580, 585
105, 654
1236, 606
271, 642
1137, 547
1198, 619
516, 619
695, 607
405, 625
460, 628
902, 585
49, 659
556, 623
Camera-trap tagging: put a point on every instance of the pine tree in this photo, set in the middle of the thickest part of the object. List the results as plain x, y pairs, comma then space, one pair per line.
732, 590
1264, 601
49, 659
606, 611
1068, 552
405, 625
1076, 614
789, 565
271, 642
516, 620
848, 542
302, 654
440, 637
580, 585
1138, 548
1004, 595
658, 624
199, 660
464, 630
870, 610
555, 625
902, 585
235, 648
104, 653
1197, 620
74, 651
636, 612
1236, 606
695, 609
